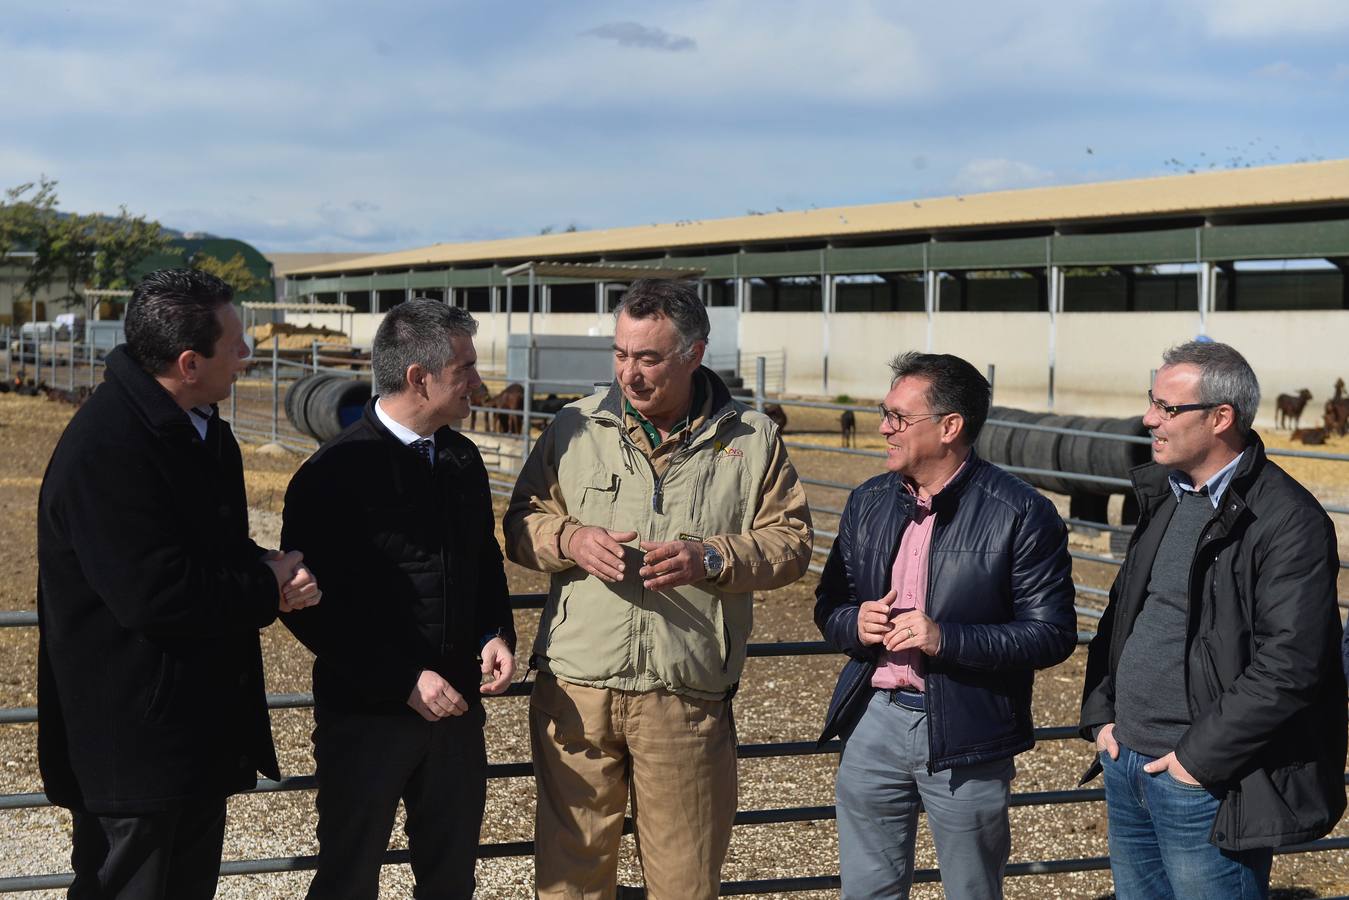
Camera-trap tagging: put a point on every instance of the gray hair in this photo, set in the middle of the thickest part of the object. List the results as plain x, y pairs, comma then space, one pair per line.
675, 300
1224, 377
416, 332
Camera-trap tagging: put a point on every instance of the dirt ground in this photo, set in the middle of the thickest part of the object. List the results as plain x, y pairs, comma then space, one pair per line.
780, 700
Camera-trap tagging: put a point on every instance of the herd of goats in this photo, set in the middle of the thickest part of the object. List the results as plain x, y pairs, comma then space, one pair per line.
1288, 408
503, 412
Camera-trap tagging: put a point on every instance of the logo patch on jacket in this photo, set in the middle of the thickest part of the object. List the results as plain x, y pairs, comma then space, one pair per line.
724, 452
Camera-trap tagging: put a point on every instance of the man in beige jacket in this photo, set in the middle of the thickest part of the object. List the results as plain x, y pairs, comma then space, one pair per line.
658, 506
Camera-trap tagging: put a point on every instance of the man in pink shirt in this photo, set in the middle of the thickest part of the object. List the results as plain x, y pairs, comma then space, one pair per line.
948, 585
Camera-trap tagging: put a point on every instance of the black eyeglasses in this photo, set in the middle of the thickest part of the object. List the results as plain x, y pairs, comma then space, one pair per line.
901, 423
1169, 412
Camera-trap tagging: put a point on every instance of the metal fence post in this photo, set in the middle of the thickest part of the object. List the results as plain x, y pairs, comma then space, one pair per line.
276, 385
9, 340
992, 376
71, 379
37, 356
316, 355
760, 367
55, 352
89, 350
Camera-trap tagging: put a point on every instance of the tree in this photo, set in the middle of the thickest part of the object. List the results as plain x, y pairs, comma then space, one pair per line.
91, 250
235, 272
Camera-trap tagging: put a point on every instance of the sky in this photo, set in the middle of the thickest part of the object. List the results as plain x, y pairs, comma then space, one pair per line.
339, 126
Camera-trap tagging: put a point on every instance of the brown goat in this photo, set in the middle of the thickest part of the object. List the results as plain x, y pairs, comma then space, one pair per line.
1310, 435
510, 401
1288, 407
479, 396
774, 412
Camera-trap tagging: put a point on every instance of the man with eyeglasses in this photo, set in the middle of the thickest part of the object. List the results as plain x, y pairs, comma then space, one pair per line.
948, 585
1214, 692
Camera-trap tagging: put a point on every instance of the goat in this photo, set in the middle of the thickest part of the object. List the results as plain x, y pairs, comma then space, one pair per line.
774, 412
847, 423
1310, 435
479, 396
511, 400
1337, 410
1288, 407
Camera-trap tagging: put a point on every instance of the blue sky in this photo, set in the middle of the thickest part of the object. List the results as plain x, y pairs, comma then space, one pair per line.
350, 126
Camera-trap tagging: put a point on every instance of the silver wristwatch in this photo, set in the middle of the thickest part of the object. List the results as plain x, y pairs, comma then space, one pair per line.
712, 562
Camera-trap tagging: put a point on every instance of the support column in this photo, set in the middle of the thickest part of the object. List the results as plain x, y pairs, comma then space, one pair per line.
827, 307
1206, 281
1055, 287
930, 284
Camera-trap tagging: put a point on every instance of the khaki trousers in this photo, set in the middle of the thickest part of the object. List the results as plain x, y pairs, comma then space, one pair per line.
675, 754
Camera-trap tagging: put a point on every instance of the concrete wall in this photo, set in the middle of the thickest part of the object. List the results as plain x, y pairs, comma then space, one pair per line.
1103, 360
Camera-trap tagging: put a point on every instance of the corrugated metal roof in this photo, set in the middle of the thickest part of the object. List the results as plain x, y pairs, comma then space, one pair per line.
1205, 193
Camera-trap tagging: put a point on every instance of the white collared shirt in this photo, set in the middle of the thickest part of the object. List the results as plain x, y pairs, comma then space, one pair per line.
399, 430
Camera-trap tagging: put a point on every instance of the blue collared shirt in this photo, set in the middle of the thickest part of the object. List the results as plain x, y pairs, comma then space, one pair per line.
1216, 485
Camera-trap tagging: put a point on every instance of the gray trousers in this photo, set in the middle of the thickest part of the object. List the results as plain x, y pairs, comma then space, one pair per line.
882, 784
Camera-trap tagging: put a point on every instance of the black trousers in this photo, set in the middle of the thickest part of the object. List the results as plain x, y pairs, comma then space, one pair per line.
161, 856
366, 763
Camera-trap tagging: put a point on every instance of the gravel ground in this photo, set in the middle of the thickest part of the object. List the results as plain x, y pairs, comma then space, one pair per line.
780, 700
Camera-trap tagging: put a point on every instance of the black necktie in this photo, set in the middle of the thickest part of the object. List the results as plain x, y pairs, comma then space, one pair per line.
426, 448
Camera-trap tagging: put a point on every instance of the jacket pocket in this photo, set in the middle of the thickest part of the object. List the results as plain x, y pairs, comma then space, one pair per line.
598, 501
162, 693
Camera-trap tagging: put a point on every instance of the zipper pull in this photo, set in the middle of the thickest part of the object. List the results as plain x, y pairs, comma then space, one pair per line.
657, 497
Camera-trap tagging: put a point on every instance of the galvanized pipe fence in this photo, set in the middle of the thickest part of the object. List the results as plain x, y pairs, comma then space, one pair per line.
255, 410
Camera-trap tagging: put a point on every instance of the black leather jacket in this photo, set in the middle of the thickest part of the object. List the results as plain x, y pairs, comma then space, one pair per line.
999, 585
1263, 677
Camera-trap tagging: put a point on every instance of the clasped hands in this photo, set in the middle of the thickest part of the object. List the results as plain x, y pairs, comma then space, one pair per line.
910, 629
667, 564
296, 585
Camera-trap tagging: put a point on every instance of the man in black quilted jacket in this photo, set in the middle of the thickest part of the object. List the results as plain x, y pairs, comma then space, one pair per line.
395, 514
949, 584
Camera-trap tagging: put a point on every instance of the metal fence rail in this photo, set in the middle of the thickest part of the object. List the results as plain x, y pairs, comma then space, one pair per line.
255, 411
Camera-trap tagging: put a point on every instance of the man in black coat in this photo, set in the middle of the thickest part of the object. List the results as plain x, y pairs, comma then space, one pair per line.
948, 585
151, 707
1214, 691
395, 516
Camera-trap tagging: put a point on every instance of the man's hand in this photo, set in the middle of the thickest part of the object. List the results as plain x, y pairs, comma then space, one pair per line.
1105, 740
873, 620
434, 699
913, 630
499, 662
671, 564
599, 551
1169, 763
301, 591
283, 566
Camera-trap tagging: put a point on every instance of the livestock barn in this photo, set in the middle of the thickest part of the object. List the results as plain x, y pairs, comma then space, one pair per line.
1071, 292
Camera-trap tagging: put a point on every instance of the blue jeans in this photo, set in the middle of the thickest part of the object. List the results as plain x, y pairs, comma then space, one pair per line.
1159, 839
883, 782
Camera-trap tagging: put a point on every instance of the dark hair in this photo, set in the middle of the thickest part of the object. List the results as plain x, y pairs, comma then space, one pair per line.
1224, 377
172, 311
675, 300
953, 386
416, 332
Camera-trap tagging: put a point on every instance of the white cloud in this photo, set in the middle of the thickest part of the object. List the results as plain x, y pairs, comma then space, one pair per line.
1266, 20
1282, 71
999, 174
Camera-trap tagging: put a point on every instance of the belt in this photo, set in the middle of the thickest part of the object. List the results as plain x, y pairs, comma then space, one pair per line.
907, 698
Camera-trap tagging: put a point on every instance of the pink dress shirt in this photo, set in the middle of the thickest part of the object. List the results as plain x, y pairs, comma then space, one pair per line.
908, 577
